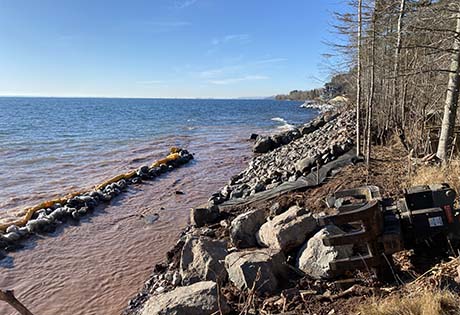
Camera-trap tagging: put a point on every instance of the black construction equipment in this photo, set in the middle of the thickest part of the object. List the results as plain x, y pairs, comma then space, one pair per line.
379, 227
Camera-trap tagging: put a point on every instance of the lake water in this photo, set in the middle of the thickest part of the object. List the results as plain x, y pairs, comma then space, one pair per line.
52, 146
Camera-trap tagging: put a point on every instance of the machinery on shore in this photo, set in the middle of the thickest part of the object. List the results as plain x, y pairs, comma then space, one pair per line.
424, 219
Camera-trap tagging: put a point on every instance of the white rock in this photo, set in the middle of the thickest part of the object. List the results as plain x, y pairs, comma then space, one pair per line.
245, 226
314, 257
196, 299
287, 230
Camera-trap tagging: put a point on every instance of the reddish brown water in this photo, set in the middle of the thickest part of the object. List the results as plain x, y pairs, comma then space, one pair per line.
95, 267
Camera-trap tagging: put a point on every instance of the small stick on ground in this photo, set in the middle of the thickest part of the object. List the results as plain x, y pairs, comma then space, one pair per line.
8, 297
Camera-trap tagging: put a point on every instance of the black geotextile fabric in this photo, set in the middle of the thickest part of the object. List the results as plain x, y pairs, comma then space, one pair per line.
315, 178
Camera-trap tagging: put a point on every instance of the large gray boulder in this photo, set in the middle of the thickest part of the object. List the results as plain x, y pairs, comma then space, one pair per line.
244, 228
202, 215
196, 299
202, 258
263, 145
314, 257
287, 230
243, 268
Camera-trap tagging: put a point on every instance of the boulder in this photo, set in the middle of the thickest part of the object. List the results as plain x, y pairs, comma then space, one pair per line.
202, 258
314, 257
200, 216
263, 144
243, 268
196, 299
287, 230
244, 227
305, 164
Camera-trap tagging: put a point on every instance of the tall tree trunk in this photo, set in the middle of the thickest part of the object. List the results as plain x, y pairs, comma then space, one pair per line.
358, 81
370, 102
450, 107
402, 9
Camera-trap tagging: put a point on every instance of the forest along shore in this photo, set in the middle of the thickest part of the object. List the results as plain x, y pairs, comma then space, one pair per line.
243, 239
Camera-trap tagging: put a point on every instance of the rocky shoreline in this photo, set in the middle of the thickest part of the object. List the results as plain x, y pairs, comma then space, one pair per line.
233, 249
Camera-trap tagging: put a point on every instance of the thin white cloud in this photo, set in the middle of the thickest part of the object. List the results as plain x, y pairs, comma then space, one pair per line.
150, 82
185, 3
212, 73
267, 61
240, 79
241, 38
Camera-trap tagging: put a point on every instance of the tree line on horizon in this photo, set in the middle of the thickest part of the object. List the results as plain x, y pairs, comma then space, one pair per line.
339, 84
403, 59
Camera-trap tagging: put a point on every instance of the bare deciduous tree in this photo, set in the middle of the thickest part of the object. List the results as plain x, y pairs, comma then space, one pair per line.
451, 104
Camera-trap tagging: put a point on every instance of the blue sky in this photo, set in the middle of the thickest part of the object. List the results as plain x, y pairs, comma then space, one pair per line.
163, 48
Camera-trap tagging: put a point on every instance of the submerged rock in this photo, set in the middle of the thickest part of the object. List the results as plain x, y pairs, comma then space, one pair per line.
196, 299
263, 144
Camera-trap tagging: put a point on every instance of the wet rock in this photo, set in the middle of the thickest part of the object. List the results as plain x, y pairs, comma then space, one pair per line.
196, 299
12, 237
143, 172
12, 228
243, 268
151, 218
39, 225
23, 231
203, 215
245, 226
314, 257
263, 145
202, 259
287, 230
57, 214
253, 136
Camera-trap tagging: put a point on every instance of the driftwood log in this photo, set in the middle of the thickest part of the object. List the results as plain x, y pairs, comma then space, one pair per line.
8, 297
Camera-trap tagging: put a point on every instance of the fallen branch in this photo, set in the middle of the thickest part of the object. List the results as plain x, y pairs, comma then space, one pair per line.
8, 297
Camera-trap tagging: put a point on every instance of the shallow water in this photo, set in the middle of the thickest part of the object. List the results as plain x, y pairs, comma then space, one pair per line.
96, 266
